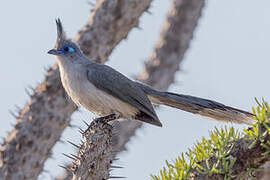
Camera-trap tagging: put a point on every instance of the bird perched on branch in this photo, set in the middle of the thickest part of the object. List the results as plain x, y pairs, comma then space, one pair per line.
108, 93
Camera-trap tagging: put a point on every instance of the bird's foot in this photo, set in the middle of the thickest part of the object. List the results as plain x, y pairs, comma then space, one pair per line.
106, 119
103, 120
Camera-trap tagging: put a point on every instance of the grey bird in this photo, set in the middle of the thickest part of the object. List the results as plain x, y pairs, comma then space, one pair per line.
111, 95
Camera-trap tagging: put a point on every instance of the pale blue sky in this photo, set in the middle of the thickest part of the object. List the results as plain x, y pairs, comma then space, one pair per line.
228, 61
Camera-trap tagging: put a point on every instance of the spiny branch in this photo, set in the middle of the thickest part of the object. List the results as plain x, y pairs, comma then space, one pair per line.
47, 112
170, 49
96, 154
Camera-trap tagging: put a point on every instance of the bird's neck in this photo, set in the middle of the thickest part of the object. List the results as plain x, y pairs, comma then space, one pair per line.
66, 61
67, 65
63, 63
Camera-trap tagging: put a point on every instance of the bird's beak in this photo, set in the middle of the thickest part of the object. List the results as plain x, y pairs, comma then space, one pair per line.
54, 52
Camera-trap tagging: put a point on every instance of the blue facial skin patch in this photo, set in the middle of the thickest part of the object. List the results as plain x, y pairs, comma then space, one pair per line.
67, 49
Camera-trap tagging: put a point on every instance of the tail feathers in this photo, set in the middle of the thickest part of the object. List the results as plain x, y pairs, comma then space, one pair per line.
148, 119
203, 107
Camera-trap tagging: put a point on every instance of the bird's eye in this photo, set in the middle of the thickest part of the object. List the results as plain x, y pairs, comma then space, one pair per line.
68, 49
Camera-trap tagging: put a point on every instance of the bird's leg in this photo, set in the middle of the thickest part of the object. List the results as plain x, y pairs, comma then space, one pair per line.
103, 120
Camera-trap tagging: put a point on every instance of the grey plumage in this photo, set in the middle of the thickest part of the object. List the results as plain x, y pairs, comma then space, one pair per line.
104, 91
196, 105
114, 83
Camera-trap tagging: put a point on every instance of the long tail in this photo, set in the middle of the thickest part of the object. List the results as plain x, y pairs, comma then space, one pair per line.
203, 107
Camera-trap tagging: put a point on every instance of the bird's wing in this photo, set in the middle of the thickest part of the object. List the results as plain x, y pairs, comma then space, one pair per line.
116, 84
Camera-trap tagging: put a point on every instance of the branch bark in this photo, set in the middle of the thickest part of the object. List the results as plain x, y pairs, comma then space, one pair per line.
169, 52
41, 122
95, 155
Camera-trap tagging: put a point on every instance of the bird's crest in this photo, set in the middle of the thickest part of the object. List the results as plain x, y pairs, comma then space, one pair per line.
60, 32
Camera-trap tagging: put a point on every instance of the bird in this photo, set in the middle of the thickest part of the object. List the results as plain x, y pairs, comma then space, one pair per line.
111, 95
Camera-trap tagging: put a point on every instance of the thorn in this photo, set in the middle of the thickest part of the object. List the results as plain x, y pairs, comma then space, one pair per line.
46, 171
77, 157
17, 108
13, 114
51, 157
115, 151
114, 177
31, 88
27, 92
73, 144
148, 12
117, 167
61, 141
47, 68
81, 131
86, 123
145, 63
91, 4
69, 156
138, 27
66, 168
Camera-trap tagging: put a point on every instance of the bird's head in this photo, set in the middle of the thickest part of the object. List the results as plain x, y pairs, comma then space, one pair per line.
64, 48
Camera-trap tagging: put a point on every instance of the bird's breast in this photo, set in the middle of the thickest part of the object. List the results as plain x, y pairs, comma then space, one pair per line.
85, 94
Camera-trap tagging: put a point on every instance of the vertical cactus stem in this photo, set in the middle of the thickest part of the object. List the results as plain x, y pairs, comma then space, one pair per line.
95, 155
48, 110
